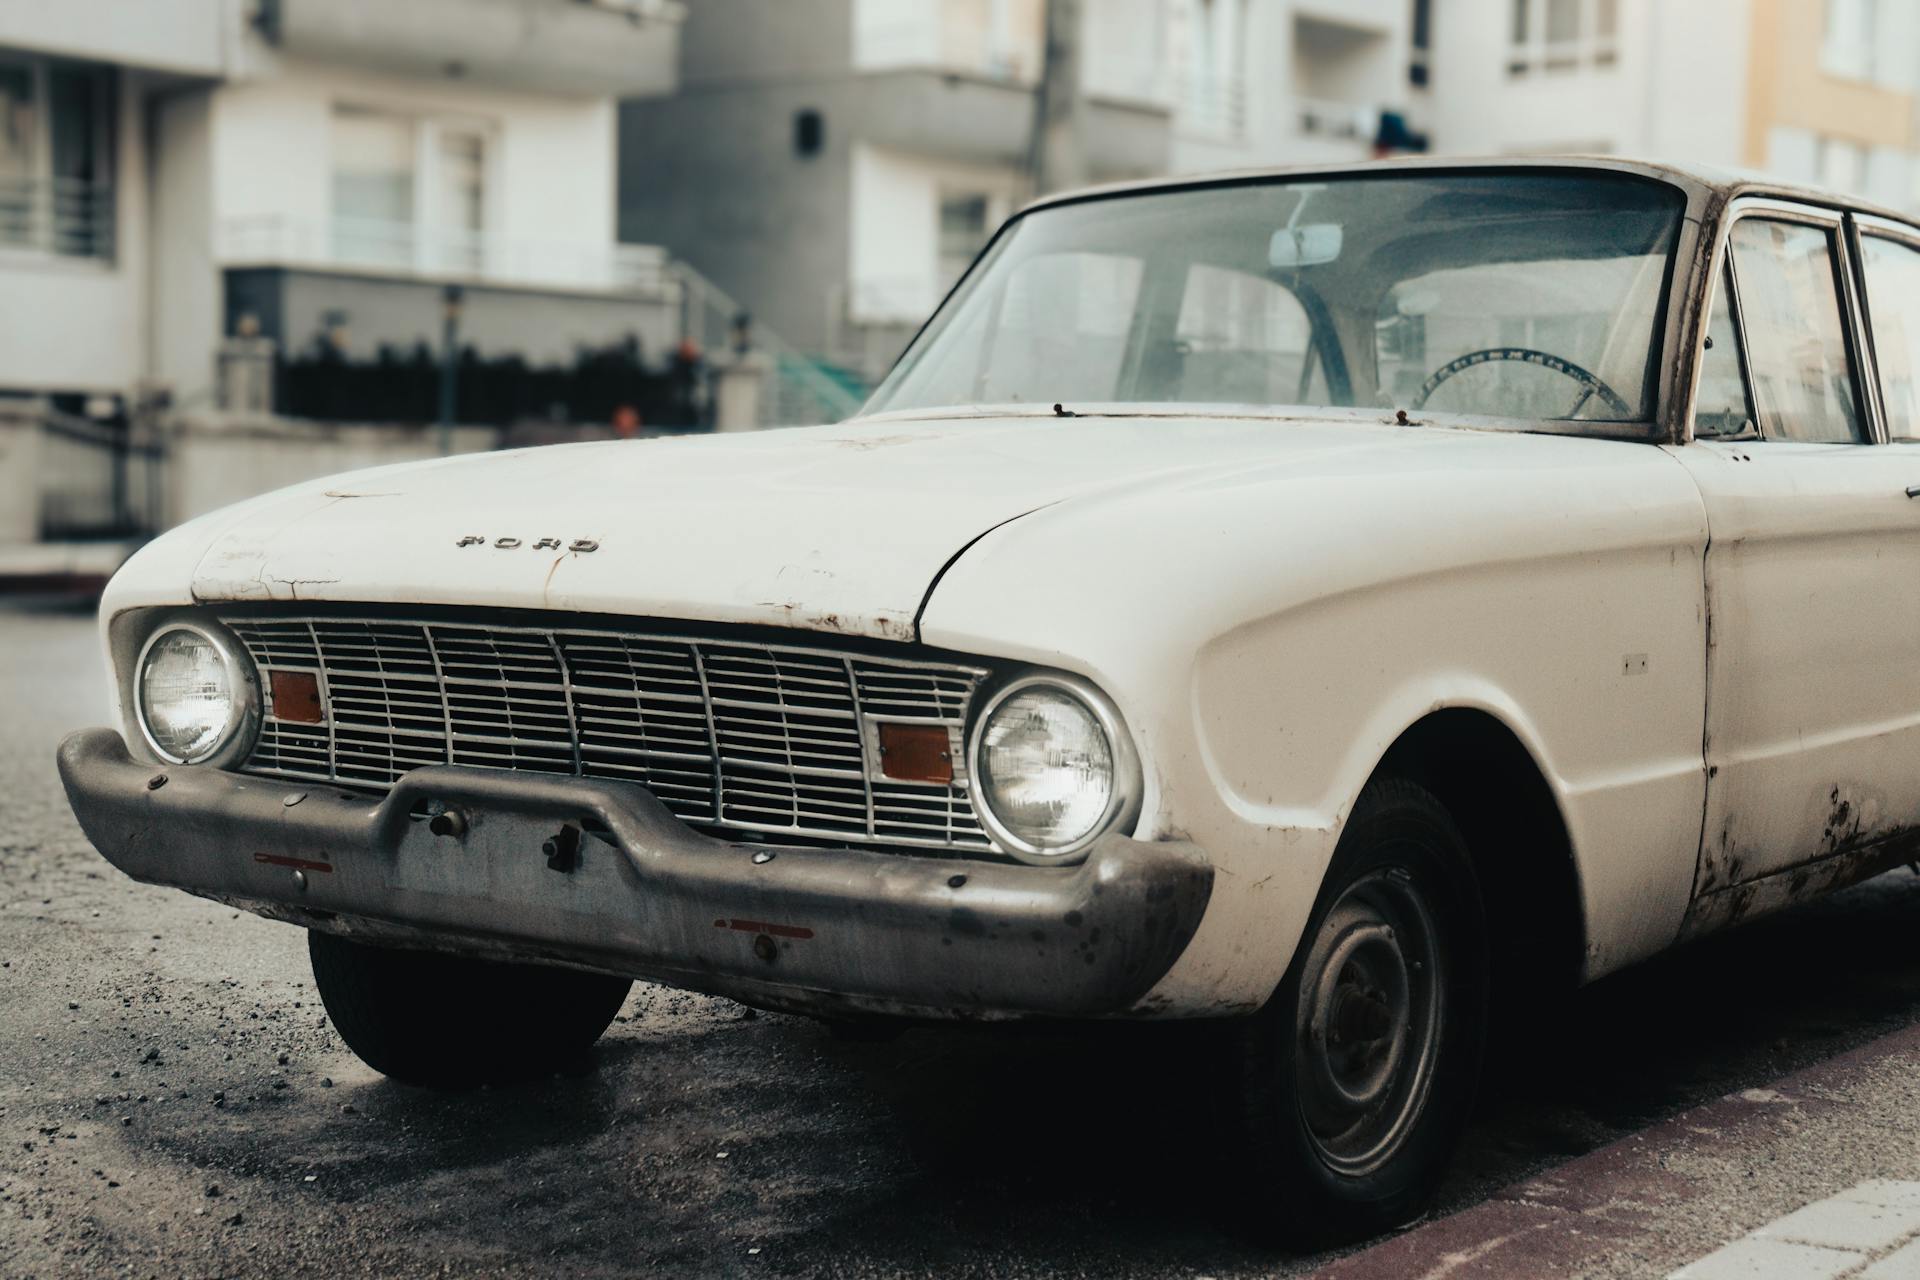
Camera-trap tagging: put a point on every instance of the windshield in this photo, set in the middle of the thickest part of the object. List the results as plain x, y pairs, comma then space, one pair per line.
1513, 295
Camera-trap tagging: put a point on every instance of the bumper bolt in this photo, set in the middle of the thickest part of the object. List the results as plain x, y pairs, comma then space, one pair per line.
156, 782
292, 798
763, 946
954, 882
300, 881
450, 823
762, 858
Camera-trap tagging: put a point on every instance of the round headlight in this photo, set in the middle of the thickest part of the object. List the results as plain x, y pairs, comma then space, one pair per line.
1049, 766
189, 696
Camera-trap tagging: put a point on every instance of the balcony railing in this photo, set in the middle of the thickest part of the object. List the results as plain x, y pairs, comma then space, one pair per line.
1216, 105
67, 217
953, 35
1341, 121
406, 249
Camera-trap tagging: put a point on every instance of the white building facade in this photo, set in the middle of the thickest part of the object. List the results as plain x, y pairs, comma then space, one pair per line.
157, 157
835, 164
1820, 91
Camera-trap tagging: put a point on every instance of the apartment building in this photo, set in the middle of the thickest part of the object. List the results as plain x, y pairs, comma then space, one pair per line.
1646, 77
322, 178
1814, 90
1832, 95
1262, 82
172, 171
835, 164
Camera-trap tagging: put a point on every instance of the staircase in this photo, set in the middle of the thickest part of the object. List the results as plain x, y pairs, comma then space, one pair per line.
801, 392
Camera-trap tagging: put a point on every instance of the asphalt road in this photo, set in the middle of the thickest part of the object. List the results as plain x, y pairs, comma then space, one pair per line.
172, 1101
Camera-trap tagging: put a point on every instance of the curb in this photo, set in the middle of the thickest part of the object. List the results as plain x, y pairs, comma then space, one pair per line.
1613, 1199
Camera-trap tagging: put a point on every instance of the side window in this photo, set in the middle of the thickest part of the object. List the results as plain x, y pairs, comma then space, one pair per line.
1722, 407
1893, 301
1796, 342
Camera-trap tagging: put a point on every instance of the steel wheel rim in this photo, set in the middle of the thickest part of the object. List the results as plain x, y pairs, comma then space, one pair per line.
1368, 1022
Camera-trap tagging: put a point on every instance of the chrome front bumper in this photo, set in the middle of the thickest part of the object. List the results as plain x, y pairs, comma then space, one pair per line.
598, 874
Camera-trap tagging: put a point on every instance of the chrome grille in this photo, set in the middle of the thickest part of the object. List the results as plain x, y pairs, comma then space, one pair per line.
728, 734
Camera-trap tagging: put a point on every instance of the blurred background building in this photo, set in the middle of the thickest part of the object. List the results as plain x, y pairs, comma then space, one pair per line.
853, 155
1819, 91
244, 241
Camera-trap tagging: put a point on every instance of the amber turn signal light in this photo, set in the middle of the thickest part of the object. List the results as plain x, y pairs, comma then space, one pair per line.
296, 697
916, 752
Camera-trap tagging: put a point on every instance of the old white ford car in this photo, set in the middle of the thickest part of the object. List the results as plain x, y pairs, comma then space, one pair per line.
1346, 605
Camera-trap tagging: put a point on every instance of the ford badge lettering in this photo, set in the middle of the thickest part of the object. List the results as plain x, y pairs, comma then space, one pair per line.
510, 543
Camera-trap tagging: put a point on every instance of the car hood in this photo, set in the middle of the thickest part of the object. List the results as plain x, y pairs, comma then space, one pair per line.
841, 529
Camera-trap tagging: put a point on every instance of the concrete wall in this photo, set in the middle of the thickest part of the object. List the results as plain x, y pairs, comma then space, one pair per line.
77, 324
188, 37
1700, 69
715, 176
215, 461
185, 319
20, 448
729, 43
548, 46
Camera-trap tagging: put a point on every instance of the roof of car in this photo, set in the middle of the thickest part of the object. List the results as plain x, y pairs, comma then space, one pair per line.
1695, 179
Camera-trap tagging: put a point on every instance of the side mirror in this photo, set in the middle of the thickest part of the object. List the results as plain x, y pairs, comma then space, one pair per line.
1312, 245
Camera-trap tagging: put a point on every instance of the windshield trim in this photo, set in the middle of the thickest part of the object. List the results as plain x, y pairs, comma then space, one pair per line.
1629, 430
1664, 340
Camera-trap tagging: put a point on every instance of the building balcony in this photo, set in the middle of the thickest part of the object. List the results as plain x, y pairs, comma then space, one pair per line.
1343, 122
368, 246
1212, 108
60, 217
966, 37
591, 48
983, 121
180, 37
1375, 17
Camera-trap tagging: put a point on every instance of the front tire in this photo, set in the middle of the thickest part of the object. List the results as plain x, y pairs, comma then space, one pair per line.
1352, 1086
453, 1022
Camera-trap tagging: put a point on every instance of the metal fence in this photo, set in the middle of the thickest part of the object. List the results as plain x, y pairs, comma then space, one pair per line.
98, 479
802, 393
408, 248
67, 216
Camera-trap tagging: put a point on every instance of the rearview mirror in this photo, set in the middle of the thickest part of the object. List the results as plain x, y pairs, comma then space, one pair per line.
1312, 245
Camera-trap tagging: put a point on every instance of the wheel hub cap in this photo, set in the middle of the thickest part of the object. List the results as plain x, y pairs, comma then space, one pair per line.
1368, 1022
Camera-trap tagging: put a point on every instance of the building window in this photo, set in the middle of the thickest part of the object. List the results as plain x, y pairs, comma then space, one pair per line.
1863, 40
1212, 91
409, 192
373, 180
1420, 58
1563, 35
56, 189
1840, 164
965, 224
1847, 47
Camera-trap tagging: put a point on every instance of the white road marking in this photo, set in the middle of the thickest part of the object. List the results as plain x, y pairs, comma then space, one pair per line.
1868, 1232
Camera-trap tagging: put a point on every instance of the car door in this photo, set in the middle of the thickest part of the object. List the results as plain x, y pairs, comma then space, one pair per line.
1812, 569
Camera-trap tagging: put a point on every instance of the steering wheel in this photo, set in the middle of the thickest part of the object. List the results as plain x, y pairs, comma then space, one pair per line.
1591, 386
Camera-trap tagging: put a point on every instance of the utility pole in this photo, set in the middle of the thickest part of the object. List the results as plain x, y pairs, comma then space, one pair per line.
1057, 155
451, 300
